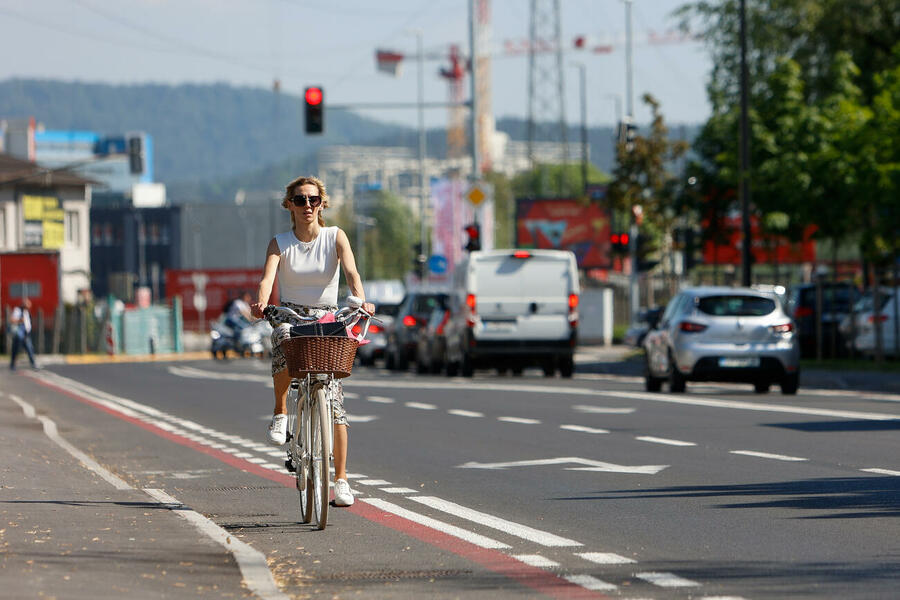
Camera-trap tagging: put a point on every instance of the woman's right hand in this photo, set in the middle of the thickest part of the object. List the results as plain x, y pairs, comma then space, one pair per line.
256, 309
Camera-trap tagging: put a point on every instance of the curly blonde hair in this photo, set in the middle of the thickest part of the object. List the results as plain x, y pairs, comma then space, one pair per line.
291, 188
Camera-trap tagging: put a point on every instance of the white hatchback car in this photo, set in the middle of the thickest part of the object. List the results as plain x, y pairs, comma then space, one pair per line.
723, 334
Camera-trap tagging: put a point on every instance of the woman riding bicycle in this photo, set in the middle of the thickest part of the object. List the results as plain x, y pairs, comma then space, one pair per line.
305, 260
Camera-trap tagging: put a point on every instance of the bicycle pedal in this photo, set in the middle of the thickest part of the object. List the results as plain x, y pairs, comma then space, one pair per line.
289, 465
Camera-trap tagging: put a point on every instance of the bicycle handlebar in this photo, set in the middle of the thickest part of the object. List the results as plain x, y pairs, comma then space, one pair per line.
347, 314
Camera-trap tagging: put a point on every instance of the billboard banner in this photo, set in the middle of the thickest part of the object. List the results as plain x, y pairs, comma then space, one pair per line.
44, 222
205, 292
565, 224
451, 212
766, 248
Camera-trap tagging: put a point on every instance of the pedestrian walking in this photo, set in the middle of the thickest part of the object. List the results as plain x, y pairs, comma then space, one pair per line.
20, 321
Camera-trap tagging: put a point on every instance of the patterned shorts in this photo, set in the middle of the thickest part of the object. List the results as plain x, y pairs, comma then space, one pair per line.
283, 331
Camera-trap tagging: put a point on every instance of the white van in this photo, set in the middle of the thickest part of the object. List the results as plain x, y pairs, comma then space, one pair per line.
510, 309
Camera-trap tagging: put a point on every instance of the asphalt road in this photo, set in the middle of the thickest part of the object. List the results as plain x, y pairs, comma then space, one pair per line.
507, 487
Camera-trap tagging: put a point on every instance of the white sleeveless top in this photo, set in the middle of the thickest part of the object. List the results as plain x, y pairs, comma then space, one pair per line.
308, 272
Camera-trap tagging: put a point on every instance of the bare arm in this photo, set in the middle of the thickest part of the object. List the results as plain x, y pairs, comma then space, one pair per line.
348, 263
270, 270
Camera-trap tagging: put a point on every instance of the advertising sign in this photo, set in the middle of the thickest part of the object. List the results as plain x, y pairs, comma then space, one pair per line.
44, 222
766, 248
205, 292
565, 224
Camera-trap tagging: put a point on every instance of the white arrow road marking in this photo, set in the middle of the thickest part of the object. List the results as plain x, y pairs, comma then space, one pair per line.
523, 531
591, 465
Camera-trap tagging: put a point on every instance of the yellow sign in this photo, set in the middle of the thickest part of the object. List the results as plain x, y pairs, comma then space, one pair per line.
476, 196
44, 222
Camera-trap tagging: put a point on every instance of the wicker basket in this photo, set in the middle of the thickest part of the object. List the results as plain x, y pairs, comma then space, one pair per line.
319, 354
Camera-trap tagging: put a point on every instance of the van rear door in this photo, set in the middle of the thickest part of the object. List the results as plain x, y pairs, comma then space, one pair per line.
523, 296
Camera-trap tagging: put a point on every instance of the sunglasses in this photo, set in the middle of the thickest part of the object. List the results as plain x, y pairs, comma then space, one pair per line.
301, 200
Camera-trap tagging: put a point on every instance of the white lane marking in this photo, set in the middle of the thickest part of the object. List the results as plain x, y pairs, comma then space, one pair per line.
464, 413
242, 455
51, 432
380, 399
523, 531
592, 465
605, 558
421, 405
521, 420
584, 429
667, 580
374, 482
881, 471
361, 418
768, 455
256, 460
536, 560
604, 410
590, 582
657, 440
252, 562
399, 490
458, 532
351, 395
276, 453
356, 476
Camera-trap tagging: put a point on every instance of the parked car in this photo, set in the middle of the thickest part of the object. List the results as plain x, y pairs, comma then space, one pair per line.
431, 345
511, 309
723, 334
403, 332
377, 335
837, 298
867, 319
647, 320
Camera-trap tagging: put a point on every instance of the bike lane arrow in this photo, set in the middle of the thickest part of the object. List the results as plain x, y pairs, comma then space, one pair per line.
590, 465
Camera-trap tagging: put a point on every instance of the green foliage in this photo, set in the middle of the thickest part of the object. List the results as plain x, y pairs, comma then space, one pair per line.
382, 250
555, 181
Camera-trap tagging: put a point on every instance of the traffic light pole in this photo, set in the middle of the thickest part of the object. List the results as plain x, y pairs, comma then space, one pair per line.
634, 300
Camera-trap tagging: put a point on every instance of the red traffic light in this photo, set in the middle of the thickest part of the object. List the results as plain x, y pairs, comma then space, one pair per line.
313, 96
623, 239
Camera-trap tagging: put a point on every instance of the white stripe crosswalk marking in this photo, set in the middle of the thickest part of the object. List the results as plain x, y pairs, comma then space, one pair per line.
666, 441
536, 560
590, 582
768, 455
458, 532
666, 580
398, 490
605, 558
523, 531
374, 482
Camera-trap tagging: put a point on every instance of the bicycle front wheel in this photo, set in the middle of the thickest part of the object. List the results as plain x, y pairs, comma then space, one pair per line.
299, 436
320, 456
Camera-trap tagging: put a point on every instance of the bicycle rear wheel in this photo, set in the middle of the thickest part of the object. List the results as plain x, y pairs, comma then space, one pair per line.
320, 457
298, 443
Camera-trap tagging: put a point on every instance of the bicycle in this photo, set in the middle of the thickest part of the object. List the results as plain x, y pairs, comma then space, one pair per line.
314, 361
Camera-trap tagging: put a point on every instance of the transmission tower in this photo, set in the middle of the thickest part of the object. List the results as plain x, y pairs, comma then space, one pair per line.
546, 99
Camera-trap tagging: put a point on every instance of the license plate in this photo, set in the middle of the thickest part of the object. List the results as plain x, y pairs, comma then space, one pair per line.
499, 325
739, 362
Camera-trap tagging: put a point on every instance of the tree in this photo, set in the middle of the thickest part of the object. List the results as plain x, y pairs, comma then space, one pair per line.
383, 246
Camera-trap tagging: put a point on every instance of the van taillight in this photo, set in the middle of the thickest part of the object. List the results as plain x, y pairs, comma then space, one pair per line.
470, 302
573, 313
521, 254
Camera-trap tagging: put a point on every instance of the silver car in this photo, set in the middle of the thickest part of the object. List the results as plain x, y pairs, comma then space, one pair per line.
723, 334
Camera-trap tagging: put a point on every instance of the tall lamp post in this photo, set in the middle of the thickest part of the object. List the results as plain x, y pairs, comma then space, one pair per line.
633, 289
746, 254
582, 79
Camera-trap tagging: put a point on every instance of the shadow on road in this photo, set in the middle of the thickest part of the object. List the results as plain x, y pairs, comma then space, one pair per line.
826, 426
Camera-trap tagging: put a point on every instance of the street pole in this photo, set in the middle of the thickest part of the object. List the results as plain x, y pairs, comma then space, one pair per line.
423, 233
584, 131
634, 300
746, 255
474, 110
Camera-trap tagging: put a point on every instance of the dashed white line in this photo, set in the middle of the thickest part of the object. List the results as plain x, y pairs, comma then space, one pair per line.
536, 560
881, 471
657, 440
666, 580
584, 429
522, 531
521, 420
605, 558
768, 455
464, 413
361, 418
471, 537
587, 408
380, 399
590, 582
421, 405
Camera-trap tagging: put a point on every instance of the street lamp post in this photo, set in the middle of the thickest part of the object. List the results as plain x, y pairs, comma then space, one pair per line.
746, 255
633, 289
582, 79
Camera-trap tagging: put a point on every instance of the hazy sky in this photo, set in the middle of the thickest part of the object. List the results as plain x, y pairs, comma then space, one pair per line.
332, 43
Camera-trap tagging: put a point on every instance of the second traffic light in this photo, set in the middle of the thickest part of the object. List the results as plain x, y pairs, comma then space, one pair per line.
618, 243
314, 98
473, 235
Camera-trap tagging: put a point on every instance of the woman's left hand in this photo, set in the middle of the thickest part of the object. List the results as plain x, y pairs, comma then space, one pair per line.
369, 307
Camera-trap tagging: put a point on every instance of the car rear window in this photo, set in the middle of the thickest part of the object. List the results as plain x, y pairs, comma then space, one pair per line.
736, 306
389, 310
424, 304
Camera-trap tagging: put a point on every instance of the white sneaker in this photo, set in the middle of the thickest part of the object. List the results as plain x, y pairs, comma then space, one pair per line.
277, 433
343, 496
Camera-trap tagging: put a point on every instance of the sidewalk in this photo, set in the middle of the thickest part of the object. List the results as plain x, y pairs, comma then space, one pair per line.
66, 532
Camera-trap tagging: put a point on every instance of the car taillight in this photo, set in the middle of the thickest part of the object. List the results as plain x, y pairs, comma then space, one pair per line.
470, 302
877, 318
691, 327
803, 311
409, 321
783, 328
573, 310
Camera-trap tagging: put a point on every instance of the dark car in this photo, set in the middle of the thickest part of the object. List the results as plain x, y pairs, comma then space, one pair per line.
837, 298
377, 336
403, 332
431, 347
